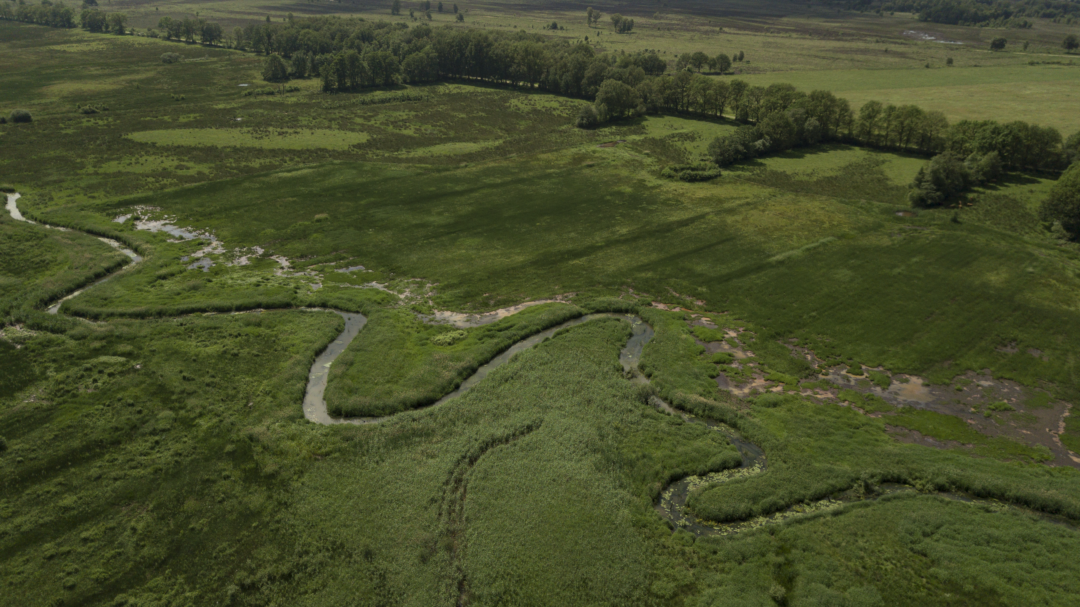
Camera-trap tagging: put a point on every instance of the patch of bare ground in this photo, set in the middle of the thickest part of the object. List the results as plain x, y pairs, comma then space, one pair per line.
993, 407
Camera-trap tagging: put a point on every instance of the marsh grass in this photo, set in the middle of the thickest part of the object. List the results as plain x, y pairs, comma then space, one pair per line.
398, 362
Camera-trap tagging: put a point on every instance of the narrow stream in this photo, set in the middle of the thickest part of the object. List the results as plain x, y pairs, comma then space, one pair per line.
13, 209
672, 502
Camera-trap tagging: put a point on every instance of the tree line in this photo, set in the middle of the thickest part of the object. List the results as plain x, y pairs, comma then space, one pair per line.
350, 53
1015, 13
46, 13
784, 118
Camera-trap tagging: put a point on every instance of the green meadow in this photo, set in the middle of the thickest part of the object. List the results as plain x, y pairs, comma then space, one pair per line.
153, 440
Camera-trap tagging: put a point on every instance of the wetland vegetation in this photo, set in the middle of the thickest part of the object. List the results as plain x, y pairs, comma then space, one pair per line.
775, 384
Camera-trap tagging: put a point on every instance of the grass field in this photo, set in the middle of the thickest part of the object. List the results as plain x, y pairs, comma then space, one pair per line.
153, 442
962, 93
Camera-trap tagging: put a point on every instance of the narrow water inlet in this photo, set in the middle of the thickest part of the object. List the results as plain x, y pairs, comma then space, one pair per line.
13, 209
315, 408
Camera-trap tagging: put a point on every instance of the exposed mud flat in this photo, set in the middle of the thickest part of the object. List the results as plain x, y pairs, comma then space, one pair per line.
1024, 414
464, 320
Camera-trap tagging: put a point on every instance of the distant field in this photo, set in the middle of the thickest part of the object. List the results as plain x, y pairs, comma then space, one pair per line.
1044, 94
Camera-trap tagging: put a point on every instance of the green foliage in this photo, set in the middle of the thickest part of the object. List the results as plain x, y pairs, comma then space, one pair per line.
397, 362
622, 25
274, 69
722, 358
702, 171
870, 403
942, 179
20, 116
880, 379
1063, 203
587, 118
169, 58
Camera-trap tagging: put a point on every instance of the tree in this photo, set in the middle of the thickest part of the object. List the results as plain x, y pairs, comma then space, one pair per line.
117, 23
395, 8
723, 63
455, 10
1063, 203
211, 33
616, 100
593, 16
274, 69
165, 25
440, 7
622, 24
421, 67
298, 66
699, 60
998, 44
742, 56
587, 118
18, 116
460, 16
942, 178
985, 168
1070, 43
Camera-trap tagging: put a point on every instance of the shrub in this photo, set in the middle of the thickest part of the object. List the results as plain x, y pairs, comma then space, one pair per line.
18, 116
169, 58
942, 178
3, 444
587, 118
1062, 206
449, 339
3, 120
702, 171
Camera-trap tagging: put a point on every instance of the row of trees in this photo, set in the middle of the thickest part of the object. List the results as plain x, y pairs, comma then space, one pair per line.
1015, 13
785, 118
188, 28
46, 13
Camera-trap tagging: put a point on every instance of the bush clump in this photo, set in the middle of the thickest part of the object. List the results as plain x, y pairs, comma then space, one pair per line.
587, 118
169, 58
449, 339
18, 116
702, 171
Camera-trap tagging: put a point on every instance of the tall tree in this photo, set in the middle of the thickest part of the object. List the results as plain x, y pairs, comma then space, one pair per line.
723, 63
274, 69
1063, 203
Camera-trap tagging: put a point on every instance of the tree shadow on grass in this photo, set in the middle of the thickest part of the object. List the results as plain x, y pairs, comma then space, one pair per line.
1009, 180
